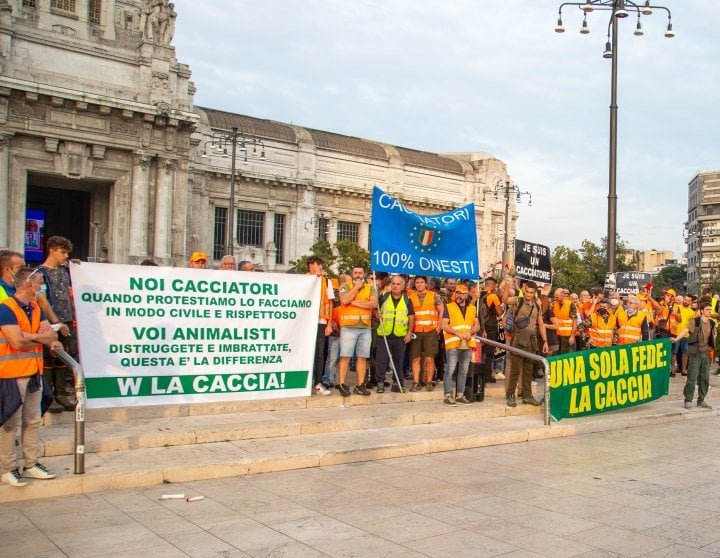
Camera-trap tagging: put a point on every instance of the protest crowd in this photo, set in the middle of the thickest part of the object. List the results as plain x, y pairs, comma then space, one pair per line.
396, 332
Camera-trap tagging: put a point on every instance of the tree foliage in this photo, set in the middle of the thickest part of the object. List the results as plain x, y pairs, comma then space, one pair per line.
351, 255
670, 277
321, 248
585, 268
344, 255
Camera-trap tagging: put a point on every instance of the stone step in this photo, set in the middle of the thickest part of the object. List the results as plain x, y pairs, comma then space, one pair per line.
354, 414
256, 406
182, 463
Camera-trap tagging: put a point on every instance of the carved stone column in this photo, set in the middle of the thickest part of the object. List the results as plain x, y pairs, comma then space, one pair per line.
4, 189
139, 206
163, 208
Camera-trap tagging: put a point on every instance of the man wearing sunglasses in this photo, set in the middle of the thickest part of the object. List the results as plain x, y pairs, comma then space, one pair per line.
24, 330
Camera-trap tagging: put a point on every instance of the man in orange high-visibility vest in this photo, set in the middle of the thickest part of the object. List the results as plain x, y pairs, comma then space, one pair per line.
460, 324
358, 299
24, 329
566, 313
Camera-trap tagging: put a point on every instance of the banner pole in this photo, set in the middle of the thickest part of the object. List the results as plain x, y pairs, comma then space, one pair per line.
387, 346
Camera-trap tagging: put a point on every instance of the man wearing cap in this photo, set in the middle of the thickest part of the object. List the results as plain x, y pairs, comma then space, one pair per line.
566, 314
198, 260
460, 324
685, 314
663, 323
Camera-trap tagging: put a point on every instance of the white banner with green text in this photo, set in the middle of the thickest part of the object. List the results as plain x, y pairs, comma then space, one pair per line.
161, 336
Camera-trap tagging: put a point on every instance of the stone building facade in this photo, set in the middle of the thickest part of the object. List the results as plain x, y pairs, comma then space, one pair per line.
702, 230
100, 141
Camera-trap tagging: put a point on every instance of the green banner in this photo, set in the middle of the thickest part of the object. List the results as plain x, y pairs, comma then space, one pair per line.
609, 378
146, 386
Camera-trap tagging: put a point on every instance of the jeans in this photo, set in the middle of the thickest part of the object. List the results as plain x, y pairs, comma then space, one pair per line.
699, 366
330, 377
461, 358
382, 361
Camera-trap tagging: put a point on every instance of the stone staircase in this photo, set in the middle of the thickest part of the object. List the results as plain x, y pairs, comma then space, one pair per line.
142, 446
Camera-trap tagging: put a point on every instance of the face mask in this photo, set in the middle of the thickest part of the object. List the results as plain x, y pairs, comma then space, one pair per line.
43, 290
614, 302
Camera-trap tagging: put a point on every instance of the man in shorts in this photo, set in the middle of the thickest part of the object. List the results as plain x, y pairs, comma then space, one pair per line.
357, 299
425, 343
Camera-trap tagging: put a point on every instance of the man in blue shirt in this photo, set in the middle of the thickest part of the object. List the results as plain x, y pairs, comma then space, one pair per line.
10, 262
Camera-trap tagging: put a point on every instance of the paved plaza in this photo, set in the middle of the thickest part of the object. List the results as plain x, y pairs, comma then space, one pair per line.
651, 491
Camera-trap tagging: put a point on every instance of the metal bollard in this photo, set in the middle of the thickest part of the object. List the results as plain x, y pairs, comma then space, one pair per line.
79, 376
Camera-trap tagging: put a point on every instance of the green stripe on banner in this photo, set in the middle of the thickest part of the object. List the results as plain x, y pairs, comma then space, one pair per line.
145, 386
609, 378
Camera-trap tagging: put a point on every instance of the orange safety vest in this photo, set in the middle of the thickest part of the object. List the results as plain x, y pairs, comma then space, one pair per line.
20, 364
565, 322
630, 330
601, 331
426, 316
352, 315
325, 306
460, 323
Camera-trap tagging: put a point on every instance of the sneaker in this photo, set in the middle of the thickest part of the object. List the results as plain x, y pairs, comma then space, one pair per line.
430, 387
13, 478
395, 388
499, 376
688, 404
511, 401
38, 472
381, 388
464, 400
320, 389
704, 405
344, 390
416, 387
361, 390
531, 401
450, 401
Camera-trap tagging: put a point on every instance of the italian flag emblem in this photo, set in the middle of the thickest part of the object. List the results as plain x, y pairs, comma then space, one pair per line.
426, 237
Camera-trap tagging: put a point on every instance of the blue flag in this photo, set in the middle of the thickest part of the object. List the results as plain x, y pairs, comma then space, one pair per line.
402, 241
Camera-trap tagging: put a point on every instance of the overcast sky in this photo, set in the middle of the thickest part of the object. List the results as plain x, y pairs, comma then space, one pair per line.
481, 75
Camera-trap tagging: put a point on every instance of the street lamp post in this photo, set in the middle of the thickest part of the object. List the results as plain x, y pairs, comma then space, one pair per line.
619, 9
504, 188
237, 141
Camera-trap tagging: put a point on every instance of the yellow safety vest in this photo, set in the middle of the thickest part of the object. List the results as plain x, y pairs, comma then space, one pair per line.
460, 323
393, 317
630, 330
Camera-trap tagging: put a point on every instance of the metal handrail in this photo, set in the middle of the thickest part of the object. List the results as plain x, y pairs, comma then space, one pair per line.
531, 356
79, 376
